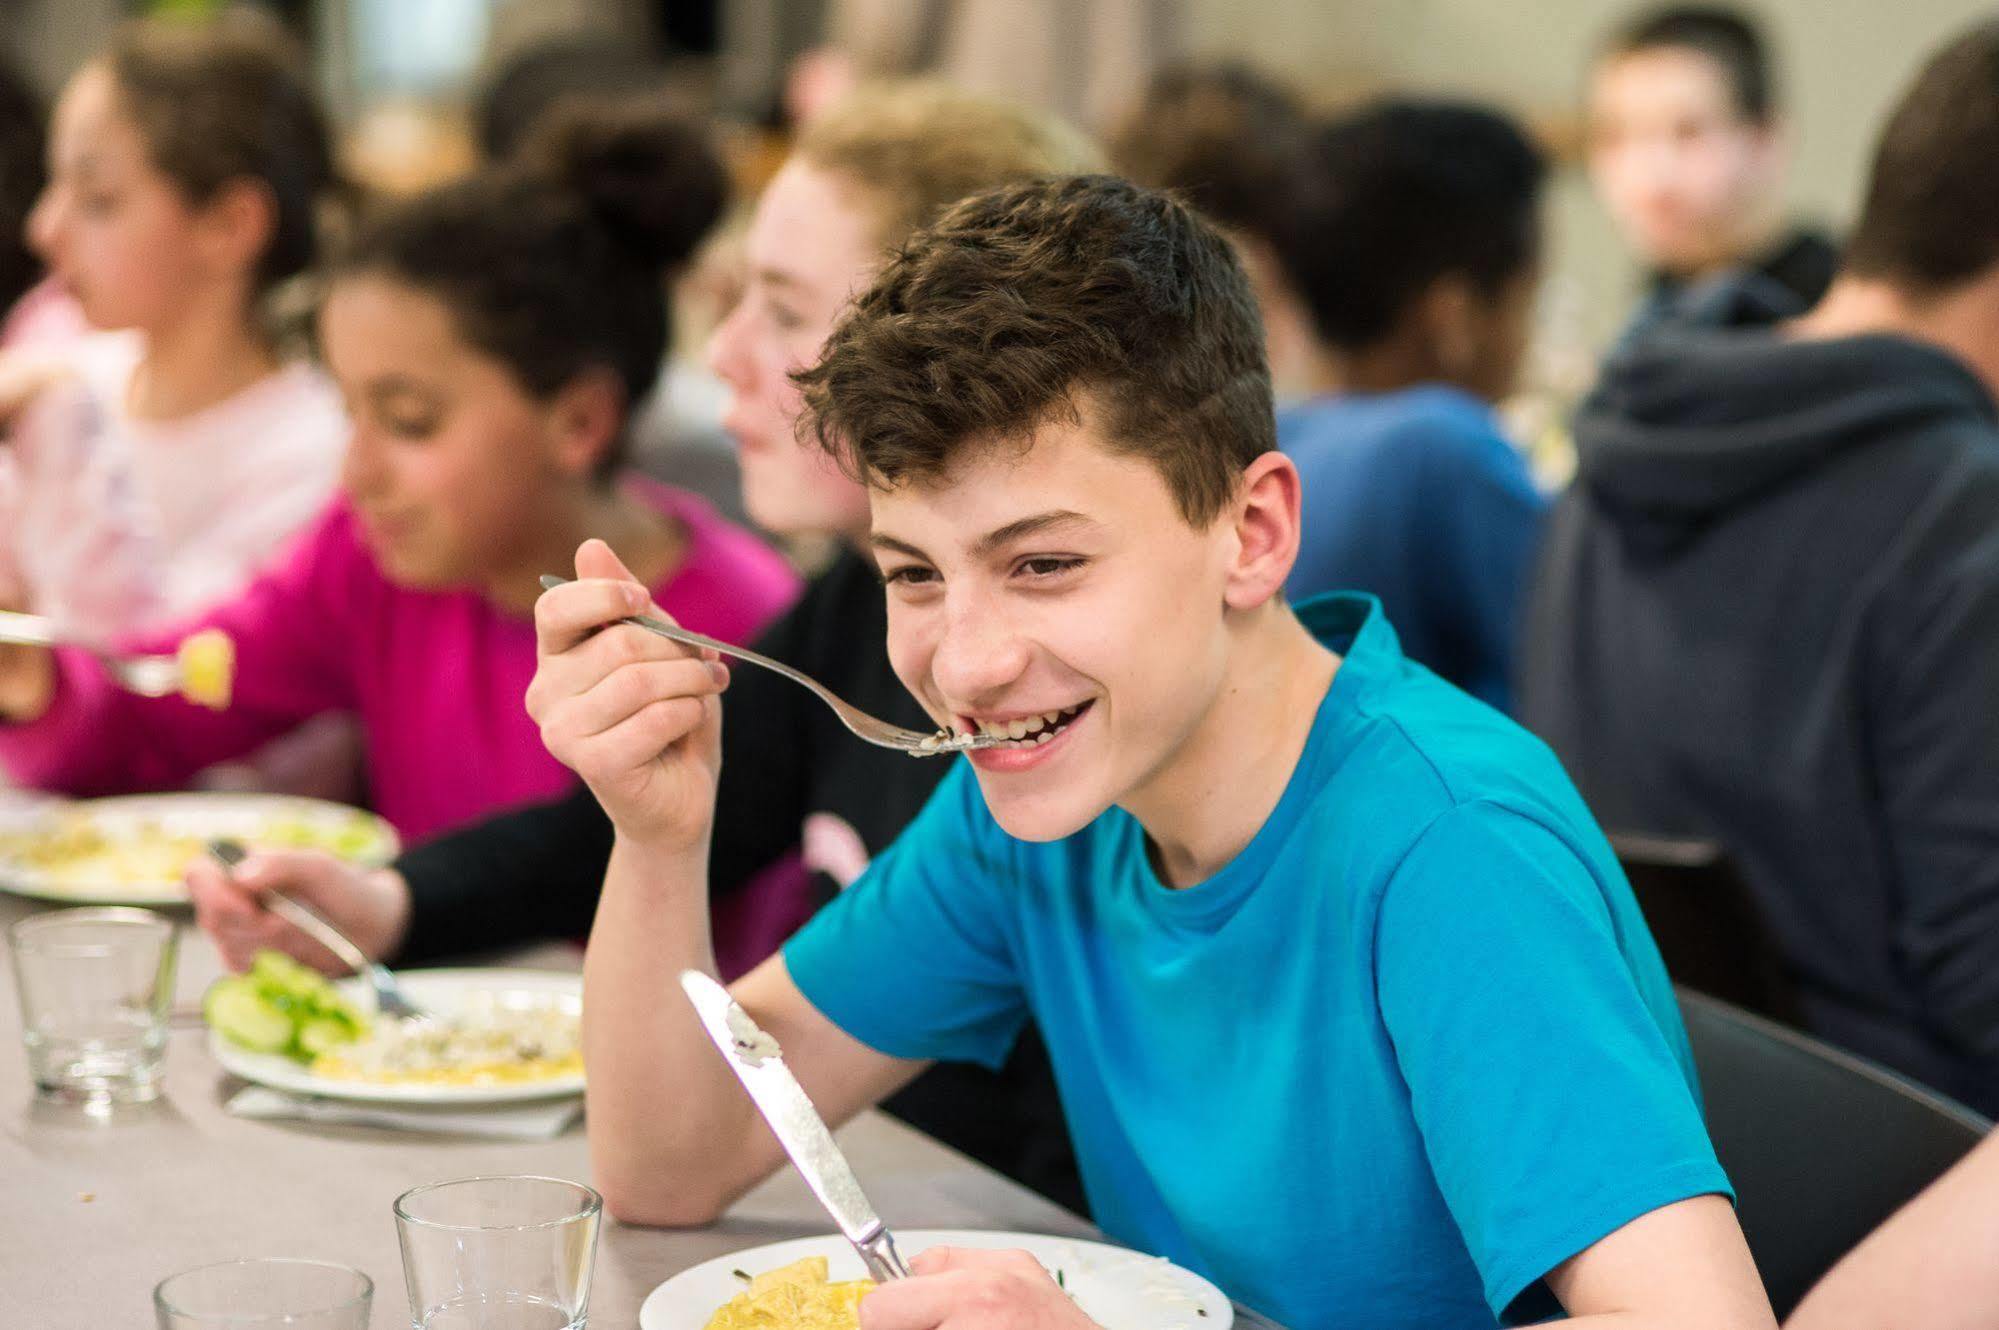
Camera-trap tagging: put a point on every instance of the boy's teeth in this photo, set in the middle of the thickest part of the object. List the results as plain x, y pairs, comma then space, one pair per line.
1029, 730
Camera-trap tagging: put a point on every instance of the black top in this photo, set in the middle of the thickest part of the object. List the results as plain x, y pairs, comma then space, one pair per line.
1767, 614
1801, 263
538, 872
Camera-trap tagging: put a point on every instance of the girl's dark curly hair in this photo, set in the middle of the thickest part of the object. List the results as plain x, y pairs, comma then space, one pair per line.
556, 264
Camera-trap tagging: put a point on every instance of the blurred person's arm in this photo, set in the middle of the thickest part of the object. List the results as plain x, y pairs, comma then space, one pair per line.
1933, 736
525, 876
530, 875
1930, 1265
70, 728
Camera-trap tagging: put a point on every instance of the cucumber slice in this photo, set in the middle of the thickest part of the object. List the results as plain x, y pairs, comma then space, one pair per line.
234, 1009
321, 1034
343, 1013
281, 1006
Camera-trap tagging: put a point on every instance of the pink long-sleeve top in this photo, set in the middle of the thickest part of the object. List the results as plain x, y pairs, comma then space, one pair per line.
436, 678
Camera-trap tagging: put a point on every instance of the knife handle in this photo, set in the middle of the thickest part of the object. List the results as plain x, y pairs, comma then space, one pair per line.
879, 1255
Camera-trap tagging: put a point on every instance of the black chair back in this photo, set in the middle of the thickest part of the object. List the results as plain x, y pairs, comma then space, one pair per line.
1822, 1146
1709, 929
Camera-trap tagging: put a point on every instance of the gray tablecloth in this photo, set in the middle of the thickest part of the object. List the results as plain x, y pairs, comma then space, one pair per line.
94, 1213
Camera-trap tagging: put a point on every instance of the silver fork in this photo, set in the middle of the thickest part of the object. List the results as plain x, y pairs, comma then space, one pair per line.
390, 1000
148, 676
871, 728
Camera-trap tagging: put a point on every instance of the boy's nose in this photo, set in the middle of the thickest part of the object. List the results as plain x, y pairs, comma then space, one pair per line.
978, 657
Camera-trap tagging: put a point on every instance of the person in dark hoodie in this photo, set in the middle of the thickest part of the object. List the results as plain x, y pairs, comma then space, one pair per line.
1768, 611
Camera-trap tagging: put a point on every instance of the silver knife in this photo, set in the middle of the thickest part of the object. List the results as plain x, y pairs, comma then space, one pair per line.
759, 1064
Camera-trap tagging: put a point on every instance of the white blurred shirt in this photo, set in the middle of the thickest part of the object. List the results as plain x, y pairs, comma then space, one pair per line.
114, 526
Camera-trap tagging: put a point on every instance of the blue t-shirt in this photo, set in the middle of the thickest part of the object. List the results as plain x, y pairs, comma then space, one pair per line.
1408, 1052
1416, 498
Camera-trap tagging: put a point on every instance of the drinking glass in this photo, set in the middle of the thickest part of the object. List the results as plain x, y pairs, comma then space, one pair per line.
511, 1253
241, 1295
95, 986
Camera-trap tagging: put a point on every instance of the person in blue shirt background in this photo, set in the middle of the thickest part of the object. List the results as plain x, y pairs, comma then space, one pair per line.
1349, 1005
1412, 236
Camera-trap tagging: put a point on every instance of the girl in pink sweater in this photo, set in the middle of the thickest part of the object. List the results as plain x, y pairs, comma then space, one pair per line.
489, 338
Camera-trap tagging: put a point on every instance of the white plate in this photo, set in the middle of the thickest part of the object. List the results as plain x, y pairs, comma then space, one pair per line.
1117, 1288
274, 821
439, 991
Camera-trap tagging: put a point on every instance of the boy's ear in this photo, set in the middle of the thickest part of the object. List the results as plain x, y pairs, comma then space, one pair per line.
586, 415
1266, 514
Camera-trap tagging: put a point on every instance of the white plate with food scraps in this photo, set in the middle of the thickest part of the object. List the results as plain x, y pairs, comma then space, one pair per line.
473, 994
135, 850
1117, 1288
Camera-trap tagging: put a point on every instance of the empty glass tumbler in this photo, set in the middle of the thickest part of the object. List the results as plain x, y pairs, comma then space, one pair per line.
247, 1295
95, 986
509, 1253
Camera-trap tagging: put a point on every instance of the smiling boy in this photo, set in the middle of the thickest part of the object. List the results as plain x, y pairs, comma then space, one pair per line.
1350, 1007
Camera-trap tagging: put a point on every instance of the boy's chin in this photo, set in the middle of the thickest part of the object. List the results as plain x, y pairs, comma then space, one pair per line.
1038, 815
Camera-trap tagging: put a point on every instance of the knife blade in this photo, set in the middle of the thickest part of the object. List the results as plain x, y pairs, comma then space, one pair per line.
759, 1064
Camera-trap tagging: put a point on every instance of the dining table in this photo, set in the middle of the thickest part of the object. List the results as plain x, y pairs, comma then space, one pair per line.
97, 1207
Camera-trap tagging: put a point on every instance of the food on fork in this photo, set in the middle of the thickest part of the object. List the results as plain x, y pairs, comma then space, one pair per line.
207, 668
794, 1297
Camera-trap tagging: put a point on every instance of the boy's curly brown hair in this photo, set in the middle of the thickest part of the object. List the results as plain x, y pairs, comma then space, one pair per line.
1034, 302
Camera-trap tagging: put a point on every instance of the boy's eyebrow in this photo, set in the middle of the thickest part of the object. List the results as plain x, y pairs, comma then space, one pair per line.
1026, 526
881, 542
992, 540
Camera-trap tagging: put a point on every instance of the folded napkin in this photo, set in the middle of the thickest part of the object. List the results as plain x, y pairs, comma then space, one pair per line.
536, 1120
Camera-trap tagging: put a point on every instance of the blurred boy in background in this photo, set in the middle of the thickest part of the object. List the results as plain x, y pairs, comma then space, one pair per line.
1688, 151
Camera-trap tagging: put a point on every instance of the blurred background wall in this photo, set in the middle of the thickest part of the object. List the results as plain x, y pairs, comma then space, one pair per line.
397, 71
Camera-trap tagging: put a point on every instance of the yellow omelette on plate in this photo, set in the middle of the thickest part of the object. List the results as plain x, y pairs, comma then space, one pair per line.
493, 1039
794, 1297
135, 849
